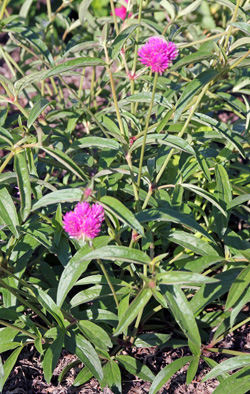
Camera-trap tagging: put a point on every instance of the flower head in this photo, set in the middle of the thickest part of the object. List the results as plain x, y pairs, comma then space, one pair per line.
157, 54
121, 11
85, 221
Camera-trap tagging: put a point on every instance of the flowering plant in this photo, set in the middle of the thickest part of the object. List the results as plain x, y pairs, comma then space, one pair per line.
128, 141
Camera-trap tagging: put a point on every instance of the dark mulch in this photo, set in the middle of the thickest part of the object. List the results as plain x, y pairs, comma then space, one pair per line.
27, 376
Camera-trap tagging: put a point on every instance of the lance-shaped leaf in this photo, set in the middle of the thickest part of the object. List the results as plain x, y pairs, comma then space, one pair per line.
71, 65
185, 277
59, 196
166, 373
75, 268
122, 213
136, 307
182, 312
8, 212
228, 365
134, 366
23, 181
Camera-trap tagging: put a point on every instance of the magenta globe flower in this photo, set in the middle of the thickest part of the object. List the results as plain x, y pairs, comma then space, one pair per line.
84, 222
157, 54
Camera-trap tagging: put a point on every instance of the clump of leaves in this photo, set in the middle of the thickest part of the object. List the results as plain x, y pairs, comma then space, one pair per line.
165, 156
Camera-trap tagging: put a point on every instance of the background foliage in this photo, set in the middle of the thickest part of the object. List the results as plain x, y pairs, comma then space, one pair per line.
174, 248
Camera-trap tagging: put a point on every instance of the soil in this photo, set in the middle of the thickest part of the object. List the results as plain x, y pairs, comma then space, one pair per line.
27, 376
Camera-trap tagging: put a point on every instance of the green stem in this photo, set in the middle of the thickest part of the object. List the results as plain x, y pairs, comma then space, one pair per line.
6, 324
136, 326
107, 279
146, 130
225, 351
240, 60
132, 82
6, 161
113, 91
238, 3
114, 17
3, 9
232, 329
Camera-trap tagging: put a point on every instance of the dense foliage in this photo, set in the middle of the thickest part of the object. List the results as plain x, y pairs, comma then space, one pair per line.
166, 156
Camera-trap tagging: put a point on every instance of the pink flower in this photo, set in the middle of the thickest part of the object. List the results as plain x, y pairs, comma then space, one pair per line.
121, 11
85, 221
157, 54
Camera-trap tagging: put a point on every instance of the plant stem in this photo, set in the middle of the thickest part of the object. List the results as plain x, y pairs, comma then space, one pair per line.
114, 16
3, 9
240, 60
132, 82
238, 3
137, 323
232, 329
146, 130
225, 351
107, 279
113, 91
4, 323
6, 161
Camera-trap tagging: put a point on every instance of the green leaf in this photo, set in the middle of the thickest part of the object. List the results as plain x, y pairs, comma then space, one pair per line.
46, 301
66, 161
83, 8
190, 8
223, 194
23, 181
238, 287
112, 377
192, 89
242, 26
161, 139
136, 307
182, 312
220, 128
8, 214
192, 369
242, 301
114, 206
6, 136
203, 165
210, 292
75, 268
212, 363
84, 376
60, 196
95, 334
8, 366
204, 194
134, 366
238, 201
89, 294
193, 58
76, 344
189, 241
185, 277
228, 365
166, 373
51, 357
238, 383
152, 339
120, 253
31, 39
120, 40
95, 142
38, 108
70, 65
169, 214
